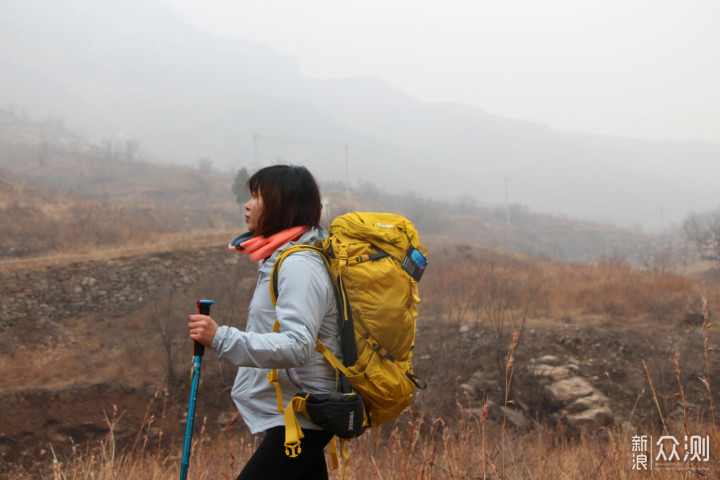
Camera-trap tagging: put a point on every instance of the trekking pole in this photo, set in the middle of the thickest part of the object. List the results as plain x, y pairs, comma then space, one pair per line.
199, 349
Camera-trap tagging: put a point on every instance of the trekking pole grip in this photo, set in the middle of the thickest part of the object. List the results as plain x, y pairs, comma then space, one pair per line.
203, 307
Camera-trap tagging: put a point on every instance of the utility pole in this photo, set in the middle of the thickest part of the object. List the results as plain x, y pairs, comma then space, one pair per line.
507, 201
256, 139
347, 174
607, 244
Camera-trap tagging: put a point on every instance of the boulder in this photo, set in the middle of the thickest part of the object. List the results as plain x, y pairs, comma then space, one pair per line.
566, 395
566, 391
591, 418
552, 372
590, 402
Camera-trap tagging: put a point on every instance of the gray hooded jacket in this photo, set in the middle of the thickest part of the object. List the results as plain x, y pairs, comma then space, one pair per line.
307, 310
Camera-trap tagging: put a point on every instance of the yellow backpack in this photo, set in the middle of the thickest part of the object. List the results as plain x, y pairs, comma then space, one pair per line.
376, 261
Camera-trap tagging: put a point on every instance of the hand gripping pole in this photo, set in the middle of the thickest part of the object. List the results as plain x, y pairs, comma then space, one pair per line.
198, 351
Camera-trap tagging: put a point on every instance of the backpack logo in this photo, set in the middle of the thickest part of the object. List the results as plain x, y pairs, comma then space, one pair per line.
351, 422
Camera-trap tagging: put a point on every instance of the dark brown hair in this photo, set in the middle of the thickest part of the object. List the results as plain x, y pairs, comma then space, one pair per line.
290, 196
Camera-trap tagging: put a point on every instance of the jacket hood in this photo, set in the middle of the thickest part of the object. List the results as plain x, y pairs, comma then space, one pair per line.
311, 237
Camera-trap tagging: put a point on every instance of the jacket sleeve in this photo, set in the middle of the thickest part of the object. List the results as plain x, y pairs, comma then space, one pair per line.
303, 287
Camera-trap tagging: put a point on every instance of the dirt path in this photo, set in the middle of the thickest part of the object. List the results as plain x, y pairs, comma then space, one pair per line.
166, 243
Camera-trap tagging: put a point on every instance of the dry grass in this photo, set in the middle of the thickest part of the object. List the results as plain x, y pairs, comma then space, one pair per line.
508, 289
465, 446
616, 290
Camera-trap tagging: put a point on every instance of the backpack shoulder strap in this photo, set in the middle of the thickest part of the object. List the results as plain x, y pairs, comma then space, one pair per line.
283, 255
272, 375
347, 334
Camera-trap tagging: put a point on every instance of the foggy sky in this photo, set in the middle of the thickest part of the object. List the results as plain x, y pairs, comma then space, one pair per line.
643, 69
133, 69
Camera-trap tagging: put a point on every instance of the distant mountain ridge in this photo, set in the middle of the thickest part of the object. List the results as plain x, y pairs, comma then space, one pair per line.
135, 68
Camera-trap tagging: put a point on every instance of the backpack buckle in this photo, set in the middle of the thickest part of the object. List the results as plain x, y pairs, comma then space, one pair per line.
292, 450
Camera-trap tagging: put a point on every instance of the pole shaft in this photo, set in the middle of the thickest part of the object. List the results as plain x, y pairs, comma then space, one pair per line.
191, 417
204, 309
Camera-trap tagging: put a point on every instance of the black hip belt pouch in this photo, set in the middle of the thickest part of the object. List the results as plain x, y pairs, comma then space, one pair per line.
338, 413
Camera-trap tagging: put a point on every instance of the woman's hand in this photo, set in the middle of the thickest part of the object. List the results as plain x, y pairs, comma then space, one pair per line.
202, 329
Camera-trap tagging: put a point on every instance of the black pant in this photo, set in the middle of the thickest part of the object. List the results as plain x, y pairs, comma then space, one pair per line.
270, 461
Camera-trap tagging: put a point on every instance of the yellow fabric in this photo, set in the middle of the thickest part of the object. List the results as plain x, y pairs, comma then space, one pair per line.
345, 456
273, 376
293, 432
334, 454
320, 347
335, 458
273, 379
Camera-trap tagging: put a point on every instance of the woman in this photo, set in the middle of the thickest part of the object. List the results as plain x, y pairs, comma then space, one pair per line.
284, 210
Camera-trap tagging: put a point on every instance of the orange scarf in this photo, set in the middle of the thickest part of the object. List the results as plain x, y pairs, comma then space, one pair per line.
262, 247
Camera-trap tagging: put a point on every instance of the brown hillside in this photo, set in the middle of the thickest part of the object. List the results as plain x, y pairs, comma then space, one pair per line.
73, 354
102, 257
112, 194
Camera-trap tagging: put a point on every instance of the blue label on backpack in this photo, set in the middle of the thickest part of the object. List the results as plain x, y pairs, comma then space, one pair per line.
418, 258
414, 263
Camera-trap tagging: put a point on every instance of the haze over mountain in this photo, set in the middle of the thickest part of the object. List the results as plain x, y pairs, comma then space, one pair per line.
135, 69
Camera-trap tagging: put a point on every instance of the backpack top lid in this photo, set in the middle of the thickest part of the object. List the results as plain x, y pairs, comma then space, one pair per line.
389, 232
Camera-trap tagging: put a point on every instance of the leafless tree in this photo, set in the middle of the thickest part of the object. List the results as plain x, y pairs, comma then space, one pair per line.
704, 233
169, 322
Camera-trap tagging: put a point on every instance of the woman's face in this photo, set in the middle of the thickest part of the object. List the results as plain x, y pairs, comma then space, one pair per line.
253, 211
